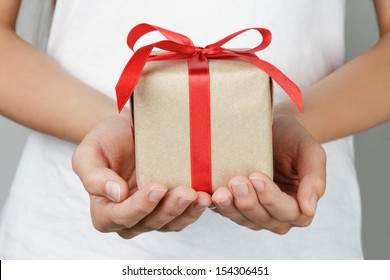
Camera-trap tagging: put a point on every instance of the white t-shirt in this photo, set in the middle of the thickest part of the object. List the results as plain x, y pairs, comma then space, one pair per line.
47, 212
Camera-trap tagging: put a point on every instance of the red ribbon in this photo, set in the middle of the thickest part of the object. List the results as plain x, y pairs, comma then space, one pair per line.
178, 46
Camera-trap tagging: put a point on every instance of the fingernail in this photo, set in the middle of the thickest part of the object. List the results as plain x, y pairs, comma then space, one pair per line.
240, 189
224, 203
113, 190
259, 185
313, 203
199, 207
156, 195
212, 206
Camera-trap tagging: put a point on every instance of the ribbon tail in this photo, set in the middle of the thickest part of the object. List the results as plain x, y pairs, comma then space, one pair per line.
131, 74
282, 80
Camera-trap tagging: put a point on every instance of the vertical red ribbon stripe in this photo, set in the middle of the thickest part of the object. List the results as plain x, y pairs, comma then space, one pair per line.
178, 46
200, 126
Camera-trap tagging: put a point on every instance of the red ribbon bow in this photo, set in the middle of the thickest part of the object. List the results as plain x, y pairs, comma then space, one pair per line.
178, 46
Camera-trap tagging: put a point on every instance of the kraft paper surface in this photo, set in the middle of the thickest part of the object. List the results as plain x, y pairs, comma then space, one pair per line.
241, 122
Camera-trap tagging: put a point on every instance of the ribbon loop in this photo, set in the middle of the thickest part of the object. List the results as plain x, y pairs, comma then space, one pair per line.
265, 33
178, 46
142, 29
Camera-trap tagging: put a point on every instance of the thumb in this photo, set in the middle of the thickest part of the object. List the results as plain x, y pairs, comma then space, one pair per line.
92, 169
310, 191
312, 174
104, 182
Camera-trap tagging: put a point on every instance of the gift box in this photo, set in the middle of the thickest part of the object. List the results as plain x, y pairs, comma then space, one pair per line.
241, 122
201, 115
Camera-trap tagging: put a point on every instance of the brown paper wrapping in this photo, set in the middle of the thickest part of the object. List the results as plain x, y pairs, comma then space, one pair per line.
241, 122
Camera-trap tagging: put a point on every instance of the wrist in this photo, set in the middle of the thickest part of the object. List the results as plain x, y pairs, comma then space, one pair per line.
287, 110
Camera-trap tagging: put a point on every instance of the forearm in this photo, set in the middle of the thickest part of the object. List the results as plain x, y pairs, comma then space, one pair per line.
38, 93
353, 98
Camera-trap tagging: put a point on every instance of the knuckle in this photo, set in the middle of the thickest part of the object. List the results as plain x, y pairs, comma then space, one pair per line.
147, 227
318, 182
247, 206
114, 219
99, 226
320, 185
141, 211
97, 222
305, 222
245, 223
265, 221
173, 212
174, 228
271, 223
89, 180
255, 227
126, 235
281, 230
317, 185
120, 223
194, 214
293, 217
267, 201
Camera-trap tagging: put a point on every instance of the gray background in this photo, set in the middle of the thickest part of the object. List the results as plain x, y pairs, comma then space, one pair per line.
372, 147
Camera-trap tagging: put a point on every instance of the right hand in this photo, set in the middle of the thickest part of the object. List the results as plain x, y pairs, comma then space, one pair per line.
290, 200
104, 161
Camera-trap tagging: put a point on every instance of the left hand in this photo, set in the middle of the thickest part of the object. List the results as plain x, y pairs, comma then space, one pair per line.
105, 164
291, 199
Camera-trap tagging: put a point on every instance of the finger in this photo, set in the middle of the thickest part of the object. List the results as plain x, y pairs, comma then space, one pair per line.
190, 215
247, 202
282, 228
128, 234
172, 206
92, 168
278, 204
109, 216
223, 200
312, 170
172, 226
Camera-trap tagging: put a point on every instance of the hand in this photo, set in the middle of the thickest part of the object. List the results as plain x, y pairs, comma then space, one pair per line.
291, 199
104, 161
